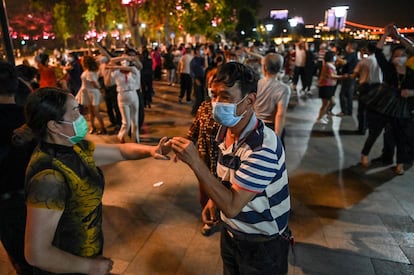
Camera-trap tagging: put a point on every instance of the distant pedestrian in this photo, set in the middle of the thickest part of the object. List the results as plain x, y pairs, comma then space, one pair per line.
198, 76
327, 85
156, 63
185, 76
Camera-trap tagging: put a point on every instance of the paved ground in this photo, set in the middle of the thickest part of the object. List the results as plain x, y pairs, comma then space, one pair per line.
346, 219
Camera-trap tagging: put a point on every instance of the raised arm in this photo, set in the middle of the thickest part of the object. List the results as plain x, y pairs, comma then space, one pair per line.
103, 50
110, 153
407, 43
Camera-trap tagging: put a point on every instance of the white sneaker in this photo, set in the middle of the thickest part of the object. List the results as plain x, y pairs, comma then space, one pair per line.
322, 121
326, 117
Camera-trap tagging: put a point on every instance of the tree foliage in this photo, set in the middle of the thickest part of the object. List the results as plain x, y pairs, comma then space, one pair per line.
71, 19
60, 12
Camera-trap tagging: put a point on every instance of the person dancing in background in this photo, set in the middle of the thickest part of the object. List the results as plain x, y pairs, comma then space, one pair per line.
128, 80
327, 85
400, 77
91, 93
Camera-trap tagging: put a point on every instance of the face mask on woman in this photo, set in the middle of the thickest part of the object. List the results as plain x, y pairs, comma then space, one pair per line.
225, 113
80, 127
400, 60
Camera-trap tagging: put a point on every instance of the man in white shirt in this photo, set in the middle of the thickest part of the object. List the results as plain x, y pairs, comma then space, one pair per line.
368, 73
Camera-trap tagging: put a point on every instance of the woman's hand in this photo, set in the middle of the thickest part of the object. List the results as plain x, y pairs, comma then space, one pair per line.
407, 92
162, 149
101, 266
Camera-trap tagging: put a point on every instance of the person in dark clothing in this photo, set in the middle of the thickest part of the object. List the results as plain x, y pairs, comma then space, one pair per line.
399, 77
169, 65
197, 74
107, 83
346, 94
310, 67
13, 162
74, 72
146, 78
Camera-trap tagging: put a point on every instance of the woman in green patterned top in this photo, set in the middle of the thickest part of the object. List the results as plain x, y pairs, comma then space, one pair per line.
64, 186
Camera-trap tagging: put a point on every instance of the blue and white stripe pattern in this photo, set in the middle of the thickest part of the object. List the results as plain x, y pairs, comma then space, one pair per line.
257, 164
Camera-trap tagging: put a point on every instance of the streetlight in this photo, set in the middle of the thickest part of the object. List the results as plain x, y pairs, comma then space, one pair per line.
339, 12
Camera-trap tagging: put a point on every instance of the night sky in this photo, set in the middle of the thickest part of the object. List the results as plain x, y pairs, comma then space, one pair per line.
370, 12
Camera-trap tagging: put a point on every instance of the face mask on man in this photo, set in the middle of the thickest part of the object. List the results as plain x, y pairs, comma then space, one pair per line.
225, 113
80, 127
400, 60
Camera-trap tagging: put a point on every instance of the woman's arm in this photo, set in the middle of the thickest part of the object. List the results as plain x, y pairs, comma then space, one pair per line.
280, 118
114, 60
103, 51
332, 74
385, 66
41, 226
110, 153
407, 43
387, 31
45, 201
94, 81
255, 55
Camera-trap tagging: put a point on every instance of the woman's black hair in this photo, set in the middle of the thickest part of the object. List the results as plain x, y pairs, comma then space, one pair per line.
43, 105
90, 63
233, 73
396, 48
329, 56
43, 58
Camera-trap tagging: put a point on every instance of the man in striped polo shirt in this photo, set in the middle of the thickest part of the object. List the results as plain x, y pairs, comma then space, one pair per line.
252, 193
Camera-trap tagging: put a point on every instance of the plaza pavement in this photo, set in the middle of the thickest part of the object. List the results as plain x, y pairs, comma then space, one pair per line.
346, 219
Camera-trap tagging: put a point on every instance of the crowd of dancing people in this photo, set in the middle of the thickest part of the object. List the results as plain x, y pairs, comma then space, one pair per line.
235, 146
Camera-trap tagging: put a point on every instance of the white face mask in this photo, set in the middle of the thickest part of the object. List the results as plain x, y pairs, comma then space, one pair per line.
400, 60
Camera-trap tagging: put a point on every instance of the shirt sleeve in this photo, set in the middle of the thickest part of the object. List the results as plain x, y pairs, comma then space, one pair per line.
285, 96
257, 171
47, 189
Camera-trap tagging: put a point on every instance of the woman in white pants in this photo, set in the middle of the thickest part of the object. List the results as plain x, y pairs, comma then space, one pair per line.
128, 80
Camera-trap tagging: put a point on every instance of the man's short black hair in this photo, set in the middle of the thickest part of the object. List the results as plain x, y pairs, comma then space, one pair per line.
235, 73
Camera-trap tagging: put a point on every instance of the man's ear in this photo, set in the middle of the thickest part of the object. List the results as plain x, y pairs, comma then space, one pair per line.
251, 98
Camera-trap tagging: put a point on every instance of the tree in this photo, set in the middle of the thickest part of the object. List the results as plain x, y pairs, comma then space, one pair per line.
104, 15
65, 13
60, 12
246, 23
